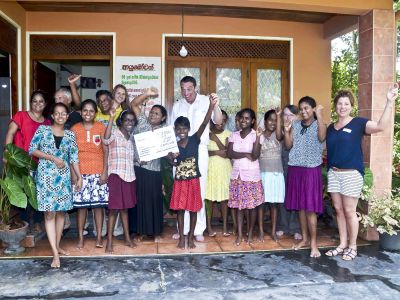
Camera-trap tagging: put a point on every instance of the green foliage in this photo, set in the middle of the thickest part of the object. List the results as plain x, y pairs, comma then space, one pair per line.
17, 186
383, 213
345, 69
167, 182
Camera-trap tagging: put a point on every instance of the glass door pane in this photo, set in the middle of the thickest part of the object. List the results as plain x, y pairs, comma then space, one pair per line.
229, 90
179, 73
269, 90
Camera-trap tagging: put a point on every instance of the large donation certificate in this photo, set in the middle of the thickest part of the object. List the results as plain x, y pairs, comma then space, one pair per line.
155, 144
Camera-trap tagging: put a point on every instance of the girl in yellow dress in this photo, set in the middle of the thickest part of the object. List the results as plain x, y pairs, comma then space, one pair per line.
219, 170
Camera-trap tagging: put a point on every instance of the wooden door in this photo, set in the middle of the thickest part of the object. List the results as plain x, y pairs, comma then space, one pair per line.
44, 79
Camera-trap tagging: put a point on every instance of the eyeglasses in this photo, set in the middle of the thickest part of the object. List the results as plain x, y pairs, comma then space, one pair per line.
63, 114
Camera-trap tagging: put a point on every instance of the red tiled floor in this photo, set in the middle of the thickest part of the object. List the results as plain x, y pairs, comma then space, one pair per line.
166, 245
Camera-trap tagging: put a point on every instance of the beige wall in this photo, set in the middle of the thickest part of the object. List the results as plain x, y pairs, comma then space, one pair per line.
141, 35
16, 13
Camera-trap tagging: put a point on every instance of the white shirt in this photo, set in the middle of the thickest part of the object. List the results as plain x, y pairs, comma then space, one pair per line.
195, 112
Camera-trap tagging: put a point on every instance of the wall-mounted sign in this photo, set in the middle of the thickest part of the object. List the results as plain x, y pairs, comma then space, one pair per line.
138, 73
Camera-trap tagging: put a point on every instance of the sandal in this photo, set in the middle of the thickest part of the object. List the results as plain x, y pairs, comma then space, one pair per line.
349, 254
226, 234
335, 252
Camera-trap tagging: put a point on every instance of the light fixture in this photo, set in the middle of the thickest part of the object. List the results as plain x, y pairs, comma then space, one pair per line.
183, 52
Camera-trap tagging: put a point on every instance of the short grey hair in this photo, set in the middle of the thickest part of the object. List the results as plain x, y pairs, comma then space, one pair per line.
66, 92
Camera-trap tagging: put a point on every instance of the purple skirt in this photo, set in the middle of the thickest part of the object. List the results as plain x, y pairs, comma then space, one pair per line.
304, 189
121, 194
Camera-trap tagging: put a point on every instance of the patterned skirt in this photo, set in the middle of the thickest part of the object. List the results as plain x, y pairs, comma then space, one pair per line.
93, 194
186, 195
245, 194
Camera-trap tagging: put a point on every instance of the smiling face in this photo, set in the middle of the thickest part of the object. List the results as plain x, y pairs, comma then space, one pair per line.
60, 115
270, 123
182, 131
120, 95
343, 107
156, 117
128, 122
88, 113
38, 104
188, 91
104, 103
246, 121
306, 111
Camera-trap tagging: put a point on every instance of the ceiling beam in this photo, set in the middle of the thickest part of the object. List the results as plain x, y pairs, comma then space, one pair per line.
176, 9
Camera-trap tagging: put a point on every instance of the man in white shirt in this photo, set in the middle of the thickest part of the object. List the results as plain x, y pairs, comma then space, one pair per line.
194, 107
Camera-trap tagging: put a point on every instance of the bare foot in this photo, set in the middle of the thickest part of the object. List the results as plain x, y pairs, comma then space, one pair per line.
109, 248
139, 238
99, 243
238, 240
261, 237
80, 244
56, 262
62, 251
181, 244
130, 244
157, 239
301, 244
176, 236
250, 239
191, 243
274, 237
315, 253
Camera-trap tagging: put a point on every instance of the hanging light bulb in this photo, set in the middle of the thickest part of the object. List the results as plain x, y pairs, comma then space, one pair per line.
183, 52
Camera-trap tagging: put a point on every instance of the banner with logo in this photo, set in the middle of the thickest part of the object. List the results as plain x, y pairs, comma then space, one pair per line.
138, 73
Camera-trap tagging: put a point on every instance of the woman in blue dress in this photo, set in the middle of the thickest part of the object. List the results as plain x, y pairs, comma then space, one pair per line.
56, 149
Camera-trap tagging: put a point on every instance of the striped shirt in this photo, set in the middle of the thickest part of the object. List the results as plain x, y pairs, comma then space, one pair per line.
120, 155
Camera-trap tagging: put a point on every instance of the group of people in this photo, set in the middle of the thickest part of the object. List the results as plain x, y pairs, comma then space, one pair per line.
87, 159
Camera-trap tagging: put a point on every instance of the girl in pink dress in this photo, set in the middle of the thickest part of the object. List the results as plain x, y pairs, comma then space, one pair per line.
245, 190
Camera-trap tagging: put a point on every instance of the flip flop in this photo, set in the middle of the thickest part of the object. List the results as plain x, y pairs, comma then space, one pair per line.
226, 234
212, 234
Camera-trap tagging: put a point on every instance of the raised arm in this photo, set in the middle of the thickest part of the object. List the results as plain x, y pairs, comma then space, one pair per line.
214, 101
278, 131
386, 118
288, 134
255, 154
138, 101
107, 133
321, 125
217, 116
76, 98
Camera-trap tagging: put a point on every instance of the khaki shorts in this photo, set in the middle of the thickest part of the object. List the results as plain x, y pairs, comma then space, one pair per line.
346, 182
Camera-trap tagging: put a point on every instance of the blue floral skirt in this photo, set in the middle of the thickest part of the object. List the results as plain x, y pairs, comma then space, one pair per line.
93, 194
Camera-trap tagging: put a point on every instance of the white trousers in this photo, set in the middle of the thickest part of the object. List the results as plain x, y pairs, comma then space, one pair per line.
201, 215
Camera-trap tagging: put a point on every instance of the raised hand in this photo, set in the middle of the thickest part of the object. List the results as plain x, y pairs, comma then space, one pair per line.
287, 125
318, 111
112, 113
393, 93
214, 99
151, 92
259, 131
73, 78
278, 111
